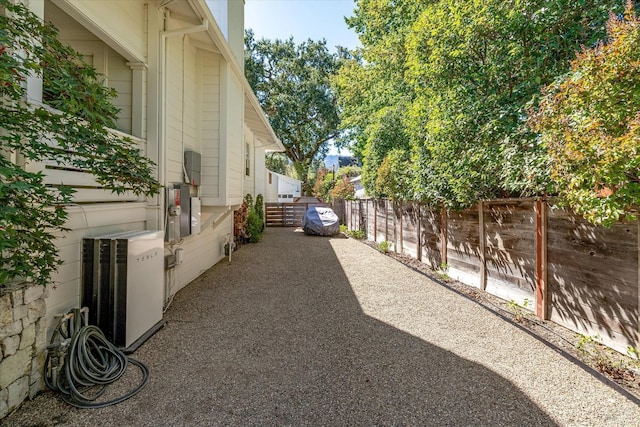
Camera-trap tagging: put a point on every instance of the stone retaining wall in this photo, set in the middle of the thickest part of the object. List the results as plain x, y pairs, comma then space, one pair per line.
23, 343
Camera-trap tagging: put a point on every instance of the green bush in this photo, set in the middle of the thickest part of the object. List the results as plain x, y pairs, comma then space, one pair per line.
356, 234
384, 246
590, 125
254, 226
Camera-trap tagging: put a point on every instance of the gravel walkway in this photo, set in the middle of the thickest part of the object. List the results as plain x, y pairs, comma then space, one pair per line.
303, 330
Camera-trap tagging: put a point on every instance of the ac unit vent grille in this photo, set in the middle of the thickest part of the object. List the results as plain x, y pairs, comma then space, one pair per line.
124, 297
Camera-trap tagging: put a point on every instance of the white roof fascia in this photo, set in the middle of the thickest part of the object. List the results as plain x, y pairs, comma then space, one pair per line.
257, 119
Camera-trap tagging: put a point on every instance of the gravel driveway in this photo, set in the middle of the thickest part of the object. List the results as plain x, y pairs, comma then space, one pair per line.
303, 330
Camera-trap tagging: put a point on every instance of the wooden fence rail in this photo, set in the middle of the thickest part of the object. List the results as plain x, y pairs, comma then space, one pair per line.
287, 214
561, 267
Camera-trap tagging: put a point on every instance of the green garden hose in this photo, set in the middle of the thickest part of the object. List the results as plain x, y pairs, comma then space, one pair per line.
81, 363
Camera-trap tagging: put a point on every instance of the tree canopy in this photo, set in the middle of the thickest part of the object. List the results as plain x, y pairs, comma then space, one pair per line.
450, 84
292, 84
589, 121
72, 134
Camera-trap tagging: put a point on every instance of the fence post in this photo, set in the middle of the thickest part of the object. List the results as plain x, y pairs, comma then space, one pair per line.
419, 239
443, 232
386, 220
401, 210
542, 298
375, 220
638, 328
352, 215
483, 258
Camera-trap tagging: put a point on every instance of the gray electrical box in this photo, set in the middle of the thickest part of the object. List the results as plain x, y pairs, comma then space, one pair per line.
185, 212
192, 166
173, 212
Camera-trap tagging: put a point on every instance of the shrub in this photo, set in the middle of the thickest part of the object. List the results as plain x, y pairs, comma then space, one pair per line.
254, 226
384, 246
590, 125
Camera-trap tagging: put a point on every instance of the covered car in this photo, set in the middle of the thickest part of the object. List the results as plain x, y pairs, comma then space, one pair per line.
320, 221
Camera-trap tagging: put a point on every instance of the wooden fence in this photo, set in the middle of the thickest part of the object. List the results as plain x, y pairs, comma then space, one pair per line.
581, 276
287, 214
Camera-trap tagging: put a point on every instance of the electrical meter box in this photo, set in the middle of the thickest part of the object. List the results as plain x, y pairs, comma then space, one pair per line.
174, 210
192, 166
185, 213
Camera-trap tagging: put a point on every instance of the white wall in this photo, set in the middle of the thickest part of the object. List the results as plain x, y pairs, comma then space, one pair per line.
201, 252
232, 136
229, 15
120, 23
210, 115
271, 189
198, 120
288, 186
259, 172
109, 63
120, 79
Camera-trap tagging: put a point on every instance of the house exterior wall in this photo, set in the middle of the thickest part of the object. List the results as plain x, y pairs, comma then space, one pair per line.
118, 21
232, 136
109, 63
179, 88
259, 172
210, 116
271, 187
120, 78
230, 17
223, 136
288, 189
181, 108
249, 148
179, 93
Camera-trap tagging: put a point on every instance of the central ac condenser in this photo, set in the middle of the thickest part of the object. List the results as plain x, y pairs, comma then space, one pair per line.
123, 287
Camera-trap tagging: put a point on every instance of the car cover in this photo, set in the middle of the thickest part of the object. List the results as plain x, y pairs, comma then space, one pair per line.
320, 221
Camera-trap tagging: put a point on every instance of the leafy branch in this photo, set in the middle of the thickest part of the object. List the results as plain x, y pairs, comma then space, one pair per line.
71, 130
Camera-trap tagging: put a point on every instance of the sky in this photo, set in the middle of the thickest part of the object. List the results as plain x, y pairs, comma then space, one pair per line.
302, 19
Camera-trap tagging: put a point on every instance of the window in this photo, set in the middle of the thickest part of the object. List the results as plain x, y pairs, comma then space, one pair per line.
270, 177
247, 160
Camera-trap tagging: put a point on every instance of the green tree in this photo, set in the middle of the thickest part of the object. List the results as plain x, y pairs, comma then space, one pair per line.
450, 82
372, 90
343, 188
393, 179
324, 182
292, 83
590, 124
475, 67
278, 163
74, 135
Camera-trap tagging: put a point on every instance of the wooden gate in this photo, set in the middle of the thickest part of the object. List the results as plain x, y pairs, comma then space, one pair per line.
287, 214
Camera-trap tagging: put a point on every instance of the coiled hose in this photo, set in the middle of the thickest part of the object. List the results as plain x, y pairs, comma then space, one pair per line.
81, 363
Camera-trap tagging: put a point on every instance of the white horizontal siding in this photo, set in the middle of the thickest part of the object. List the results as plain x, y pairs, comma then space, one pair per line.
86, 188
271, 192
235, 140
122, 20
210, 123
201, 252
105, 60
120, 79
174, 126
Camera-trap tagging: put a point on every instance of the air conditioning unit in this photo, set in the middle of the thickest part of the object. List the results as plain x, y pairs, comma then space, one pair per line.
123, 285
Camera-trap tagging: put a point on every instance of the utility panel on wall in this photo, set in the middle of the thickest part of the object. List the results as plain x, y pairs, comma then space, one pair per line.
192, 167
